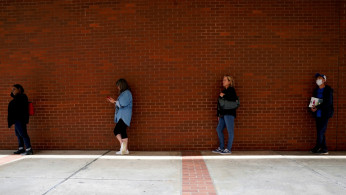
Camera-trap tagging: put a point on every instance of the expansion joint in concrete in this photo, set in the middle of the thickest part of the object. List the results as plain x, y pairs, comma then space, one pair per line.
73, 174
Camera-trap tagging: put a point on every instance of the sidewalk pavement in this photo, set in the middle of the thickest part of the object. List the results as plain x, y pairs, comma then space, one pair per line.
194, 172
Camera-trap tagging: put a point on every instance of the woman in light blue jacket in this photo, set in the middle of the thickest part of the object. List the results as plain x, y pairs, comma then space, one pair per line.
123, 114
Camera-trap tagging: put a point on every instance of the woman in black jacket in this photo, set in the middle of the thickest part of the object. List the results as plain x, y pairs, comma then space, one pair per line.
18, 115
226, 116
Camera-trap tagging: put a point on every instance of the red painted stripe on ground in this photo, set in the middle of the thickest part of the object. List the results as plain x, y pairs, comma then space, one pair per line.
9, 158
196, 178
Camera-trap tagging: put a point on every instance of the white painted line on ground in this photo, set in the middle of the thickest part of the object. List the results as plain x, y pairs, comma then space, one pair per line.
125, 157
250, 157
221, 157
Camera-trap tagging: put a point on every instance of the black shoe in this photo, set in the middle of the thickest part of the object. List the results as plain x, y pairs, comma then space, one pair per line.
218, 150
29, 152
19, 151
315, 150
322, 151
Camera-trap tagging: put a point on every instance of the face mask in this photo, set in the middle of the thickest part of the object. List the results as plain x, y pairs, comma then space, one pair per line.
319, 82
12, 95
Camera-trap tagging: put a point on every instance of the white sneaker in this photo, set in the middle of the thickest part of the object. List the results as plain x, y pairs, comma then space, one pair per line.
121, 146
121, 152
124, 145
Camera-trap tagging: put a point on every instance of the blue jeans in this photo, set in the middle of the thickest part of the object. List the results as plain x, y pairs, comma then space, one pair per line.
321, 127
22, 135
228, 121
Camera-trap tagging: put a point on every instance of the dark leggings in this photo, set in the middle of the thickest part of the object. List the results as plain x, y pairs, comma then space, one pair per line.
120, 128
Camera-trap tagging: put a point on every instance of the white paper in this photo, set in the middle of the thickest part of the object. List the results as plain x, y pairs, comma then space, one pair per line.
315, 101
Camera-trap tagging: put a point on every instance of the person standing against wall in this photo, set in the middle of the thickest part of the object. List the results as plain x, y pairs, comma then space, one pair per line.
123, 114
18, 115
226, 116
322, 112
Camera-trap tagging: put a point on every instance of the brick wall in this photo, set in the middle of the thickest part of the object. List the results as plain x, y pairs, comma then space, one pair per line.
69, 54
341, 122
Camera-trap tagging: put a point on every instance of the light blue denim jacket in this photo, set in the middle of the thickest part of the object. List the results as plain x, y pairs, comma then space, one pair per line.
123, 108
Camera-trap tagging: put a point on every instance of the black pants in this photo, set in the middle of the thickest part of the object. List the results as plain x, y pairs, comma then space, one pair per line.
22, 135
120, 128
321, 127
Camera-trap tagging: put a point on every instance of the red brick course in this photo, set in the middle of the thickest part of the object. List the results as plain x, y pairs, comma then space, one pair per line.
196, 177
9, 159
69, 54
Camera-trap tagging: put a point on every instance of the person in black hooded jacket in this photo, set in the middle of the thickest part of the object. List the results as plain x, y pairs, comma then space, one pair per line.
18, 115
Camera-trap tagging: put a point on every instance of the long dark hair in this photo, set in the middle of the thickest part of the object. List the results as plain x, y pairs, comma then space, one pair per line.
123, 85
19, 87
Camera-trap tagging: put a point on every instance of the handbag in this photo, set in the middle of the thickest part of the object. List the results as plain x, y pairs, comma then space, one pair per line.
228, 105
31, 109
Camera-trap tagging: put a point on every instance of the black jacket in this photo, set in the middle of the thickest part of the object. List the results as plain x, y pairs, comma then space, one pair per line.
230, 95
18, 110
327, 105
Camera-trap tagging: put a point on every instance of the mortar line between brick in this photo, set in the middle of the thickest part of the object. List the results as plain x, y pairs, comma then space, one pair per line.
73, 174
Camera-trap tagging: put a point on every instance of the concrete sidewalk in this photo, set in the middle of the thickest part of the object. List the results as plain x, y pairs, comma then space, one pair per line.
103, 172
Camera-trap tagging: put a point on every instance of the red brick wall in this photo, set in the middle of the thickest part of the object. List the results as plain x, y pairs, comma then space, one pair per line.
341, 122
69, 54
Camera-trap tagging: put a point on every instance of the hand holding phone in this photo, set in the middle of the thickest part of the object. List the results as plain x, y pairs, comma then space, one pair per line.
111, 100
